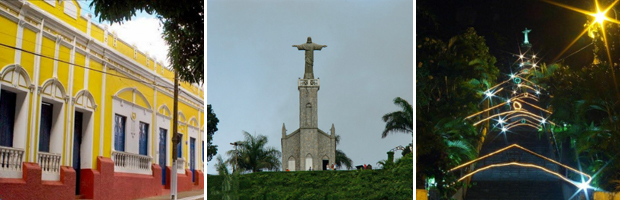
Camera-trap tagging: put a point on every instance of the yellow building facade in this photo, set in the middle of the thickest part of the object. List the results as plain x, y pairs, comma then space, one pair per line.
73, 92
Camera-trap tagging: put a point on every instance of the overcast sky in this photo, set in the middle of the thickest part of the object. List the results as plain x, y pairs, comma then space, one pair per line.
252, 70
143, 30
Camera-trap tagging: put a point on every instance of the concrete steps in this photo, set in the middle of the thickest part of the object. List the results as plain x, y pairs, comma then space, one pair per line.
516, 182
515, 190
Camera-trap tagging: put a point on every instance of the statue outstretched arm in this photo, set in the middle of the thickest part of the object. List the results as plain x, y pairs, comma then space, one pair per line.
318, 46
300, 46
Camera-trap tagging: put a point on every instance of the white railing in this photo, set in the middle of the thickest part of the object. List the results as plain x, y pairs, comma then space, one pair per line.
50, 165
180, 166
308, 82
131, 163
11, 160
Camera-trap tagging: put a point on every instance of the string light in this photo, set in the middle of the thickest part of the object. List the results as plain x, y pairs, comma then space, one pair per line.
524, 149
522, 165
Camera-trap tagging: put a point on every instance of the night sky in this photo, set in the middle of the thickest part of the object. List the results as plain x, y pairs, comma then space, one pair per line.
502, 22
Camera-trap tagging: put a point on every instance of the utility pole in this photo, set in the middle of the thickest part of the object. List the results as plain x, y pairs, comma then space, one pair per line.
175, 139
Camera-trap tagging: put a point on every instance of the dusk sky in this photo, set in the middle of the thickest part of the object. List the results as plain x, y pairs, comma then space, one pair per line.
252, 70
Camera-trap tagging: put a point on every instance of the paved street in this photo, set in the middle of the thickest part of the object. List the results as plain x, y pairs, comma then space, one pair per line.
189, 195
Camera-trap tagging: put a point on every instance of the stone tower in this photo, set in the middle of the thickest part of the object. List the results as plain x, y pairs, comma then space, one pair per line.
308, 146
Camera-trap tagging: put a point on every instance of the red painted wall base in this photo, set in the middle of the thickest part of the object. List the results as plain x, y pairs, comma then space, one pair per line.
102, 184
30, 186
184, 181
106, 184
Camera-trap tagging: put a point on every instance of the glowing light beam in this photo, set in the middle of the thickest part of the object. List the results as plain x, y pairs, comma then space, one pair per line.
524, 149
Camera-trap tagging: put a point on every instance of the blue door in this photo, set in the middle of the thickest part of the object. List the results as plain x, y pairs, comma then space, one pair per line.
77, 143
144, 137
45, 130
7, 117
162, 154
192, 157
119, 132
179, 145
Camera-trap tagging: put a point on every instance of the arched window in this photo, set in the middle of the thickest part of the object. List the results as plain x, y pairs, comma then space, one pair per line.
291, 163
308, 162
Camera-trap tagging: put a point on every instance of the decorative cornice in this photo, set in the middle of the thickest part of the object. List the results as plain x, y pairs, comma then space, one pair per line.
81, 38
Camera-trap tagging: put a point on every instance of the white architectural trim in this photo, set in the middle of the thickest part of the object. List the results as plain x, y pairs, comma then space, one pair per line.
181, 118
86, 70
56, 52
102, 117
134, 91
135, 114
19, 37
164, 110
165, 123
51, 2
53, 92
84, 103
70, 9
98, 47
70, 111
154, 131
35, 94
15, 79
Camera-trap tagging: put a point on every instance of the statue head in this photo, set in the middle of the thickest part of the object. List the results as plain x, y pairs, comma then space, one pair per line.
309, 40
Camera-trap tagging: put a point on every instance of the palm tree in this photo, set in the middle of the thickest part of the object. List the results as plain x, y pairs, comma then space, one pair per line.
230, 181
399, 121
341, 157
343, 160
253, 155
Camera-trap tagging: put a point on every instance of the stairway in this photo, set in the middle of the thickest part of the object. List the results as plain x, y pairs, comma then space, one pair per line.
516, 182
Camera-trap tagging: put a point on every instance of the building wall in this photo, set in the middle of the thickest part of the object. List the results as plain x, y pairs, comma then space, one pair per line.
290, 149
101, 69
308, 142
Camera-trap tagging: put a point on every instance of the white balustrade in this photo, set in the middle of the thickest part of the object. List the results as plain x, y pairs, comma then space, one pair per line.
131, 163
50, 162
308, 82
11, 160
180, 166
50, 165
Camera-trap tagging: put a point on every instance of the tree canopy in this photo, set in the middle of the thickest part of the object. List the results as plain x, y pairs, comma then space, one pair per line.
183, 29
253, 155
450, 80
212, 122
399, 121
586, 108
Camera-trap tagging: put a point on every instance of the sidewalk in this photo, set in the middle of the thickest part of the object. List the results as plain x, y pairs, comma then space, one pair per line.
188, 195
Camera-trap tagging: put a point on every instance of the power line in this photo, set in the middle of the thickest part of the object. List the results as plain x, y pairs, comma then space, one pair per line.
574, 53
100, 24
54, 48
84, 67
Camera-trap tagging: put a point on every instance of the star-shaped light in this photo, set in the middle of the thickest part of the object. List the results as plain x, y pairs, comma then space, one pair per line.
599, 18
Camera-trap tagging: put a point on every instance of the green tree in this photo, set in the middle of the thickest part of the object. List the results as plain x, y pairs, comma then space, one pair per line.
252, 154
230, 181
450, 81
585, 107
343, 160
341, 157
212, 122
399, 121
183, 29
407, 149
